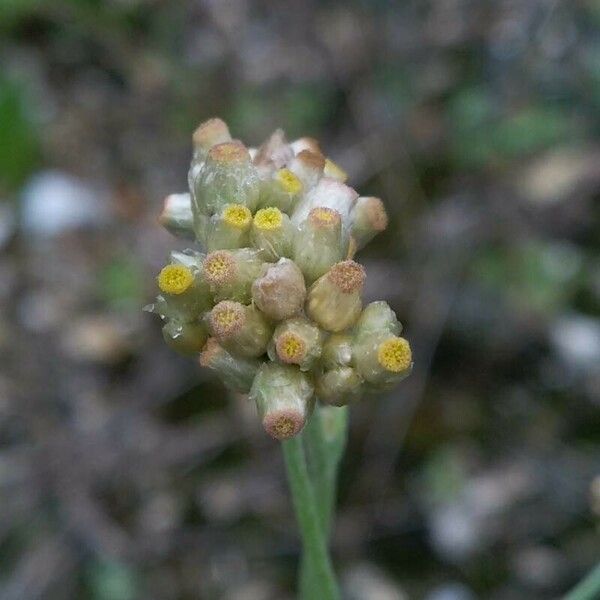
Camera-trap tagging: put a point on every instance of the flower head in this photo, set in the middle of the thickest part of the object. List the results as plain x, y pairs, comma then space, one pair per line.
273, 303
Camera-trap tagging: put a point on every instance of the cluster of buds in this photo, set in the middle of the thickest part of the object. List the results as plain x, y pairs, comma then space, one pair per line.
273, 302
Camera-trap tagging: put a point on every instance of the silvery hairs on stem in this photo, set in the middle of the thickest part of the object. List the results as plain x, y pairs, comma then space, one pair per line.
272, 304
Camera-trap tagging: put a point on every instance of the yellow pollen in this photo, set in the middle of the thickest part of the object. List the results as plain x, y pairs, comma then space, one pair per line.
219, 266
268, 219
175, 279
237, 215
334, 171
289, 182
395, 355
291, 348
323, 217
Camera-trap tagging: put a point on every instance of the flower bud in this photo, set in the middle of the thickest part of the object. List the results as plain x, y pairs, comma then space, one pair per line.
382, 359
337, 351
274, 154
281, 291
334, 171
334, 299
368, 218
377, 317
339, 387
318, 243
229, 229
271, 233
176, 216
242, 330
328, 193
284, 399
227, 176
185, 295
296, 342
236, 372
308, 167
209, 134
305, 143
230, 273
280, 189
185, 338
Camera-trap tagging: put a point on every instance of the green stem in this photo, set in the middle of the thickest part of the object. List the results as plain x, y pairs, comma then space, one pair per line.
325, 438
309, 521
588, 588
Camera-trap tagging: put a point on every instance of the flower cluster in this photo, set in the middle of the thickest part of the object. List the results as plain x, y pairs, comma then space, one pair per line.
273, 303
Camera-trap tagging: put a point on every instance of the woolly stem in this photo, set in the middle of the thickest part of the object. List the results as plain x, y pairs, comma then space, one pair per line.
325, 439
309, 520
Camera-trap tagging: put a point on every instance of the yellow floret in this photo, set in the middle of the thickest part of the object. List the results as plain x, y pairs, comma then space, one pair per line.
237, 215
219, 267
395, 355
289, 182
323, 216
175, 279
226, 318
268, 218
291, 348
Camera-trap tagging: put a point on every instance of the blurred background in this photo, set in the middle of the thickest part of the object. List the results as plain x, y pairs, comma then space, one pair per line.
126, 472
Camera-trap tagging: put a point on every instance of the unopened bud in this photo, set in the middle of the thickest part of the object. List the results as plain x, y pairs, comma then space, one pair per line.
377, 317
185, 338
284, 399
227, 176
339, 387
368, 218
334, 171
308, 167
318, 243
176, 216
383, 359
328, 193
305, 143
208, 134
334, 300
274, 154
230, 229
236, 372
242, 330
337, 351
281, 291
297, 342
230, 273
271, 233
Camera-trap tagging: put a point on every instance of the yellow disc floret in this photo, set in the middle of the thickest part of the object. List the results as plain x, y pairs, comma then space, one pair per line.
237, 215
289, 182
290, 348
395, 355
268, 219
347, 275
226, 318
322, 216
219, 267
175, 279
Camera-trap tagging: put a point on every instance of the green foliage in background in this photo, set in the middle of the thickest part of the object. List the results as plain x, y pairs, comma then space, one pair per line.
19, 146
